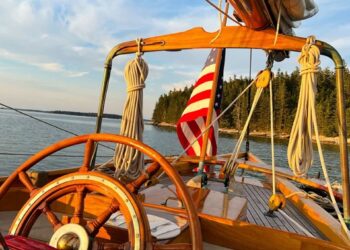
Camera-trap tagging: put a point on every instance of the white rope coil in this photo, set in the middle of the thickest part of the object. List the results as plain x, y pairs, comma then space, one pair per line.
129, 162
300, 152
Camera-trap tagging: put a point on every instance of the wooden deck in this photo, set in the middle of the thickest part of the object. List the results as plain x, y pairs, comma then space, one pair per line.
257, 206
257, 196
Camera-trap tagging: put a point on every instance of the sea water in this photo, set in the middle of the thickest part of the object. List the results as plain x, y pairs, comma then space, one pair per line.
21, 136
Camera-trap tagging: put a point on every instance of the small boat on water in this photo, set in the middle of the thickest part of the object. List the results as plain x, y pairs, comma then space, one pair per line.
197, 200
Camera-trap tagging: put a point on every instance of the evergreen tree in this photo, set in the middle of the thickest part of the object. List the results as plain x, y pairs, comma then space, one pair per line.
170, 106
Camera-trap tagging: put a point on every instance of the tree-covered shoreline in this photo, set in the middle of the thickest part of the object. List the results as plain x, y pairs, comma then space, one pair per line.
169, 106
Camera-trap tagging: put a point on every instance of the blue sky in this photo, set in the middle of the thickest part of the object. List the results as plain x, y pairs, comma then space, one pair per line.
52, 52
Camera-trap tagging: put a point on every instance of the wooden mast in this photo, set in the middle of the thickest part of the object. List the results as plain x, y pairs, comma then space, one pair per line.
212, 101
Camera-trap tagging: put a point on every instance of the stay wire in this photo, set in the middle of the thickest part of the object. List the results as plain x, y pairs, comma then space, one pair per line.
223, 13
211, 124
47, 123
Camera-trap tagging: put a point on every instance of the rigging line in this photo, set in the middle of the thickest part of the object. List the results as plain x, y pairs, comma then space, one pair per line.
47, 123
230, 166
273, 168
30, 154
248, 102
222, 12
278, 22
305, 231
211, 124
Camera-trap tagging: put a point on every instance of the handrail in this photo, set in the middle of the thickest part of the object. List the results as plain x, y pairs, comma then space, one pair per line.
332, 53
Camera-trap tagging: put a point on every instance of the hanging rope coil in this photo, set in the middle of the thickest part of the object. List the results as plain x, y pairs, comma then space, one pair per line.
129, 162
300, 152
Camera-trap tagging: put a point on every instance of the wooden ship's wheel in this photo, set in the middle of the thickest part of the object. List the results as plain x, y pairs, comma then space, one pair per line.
84, 182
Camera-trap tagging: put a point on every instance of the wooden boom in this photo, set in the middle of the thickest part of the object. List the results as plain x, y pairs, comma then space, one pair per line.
198, 38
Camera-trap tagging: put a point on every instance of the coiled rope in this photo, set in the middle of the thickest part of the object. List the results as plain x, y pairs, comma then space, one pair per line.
129, 162
300, 153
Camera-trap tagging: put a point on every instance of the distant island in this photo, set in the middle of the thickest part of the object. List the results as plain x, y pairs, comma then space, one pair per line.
76, 113
90, 114
63, 112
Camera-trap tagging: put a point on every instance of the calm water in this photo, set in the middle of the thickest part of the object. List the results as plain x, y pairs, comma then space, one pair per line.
23, 135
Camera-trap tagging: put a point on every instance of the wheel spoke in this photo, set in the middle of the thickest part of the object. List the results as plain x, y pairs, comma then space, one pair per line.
79, 205
51, 217
94, 226
24, 178
89, 149
150, 171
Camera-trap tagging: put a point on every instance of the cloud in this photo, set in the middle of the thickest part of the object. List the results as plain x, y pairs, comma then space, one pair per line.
77, 74
54, 67
70, 40
46, 66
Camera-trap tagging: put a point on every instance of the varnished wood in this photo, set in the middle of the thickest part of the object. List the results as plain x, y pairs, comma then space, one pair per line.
52, 218
194, 224
265, 169
94, 225
89, 148
244, 236
328, 225
23, 177
209, 116
198, 38
149, 172
79, 205
14, 199
176, 246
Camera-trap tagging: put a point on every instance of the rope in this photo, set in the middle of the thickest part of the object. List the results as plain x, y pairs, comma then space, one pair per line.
300, 152
248, 101
211, 124
218, 9
230, 166
299, 148
296, 223
220, 21
128, 161
278, 22
272, 142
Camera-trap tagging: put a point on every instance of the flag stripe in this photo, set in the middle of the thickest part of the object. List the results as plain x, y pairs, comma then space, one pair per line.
204, 78
196, 106
193, 120
203, 87
200, 96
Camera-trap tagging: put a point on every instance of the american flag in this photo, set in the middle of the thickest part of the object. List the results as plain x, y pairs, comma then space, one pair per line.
193, 119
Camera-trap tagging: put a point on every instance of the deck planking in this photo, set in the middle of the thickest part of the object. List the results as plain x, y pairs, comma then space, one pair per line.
257, 207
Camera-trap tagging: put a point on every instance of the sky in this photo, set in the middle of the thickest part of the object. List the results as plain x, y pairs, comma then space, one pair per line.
52, 51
